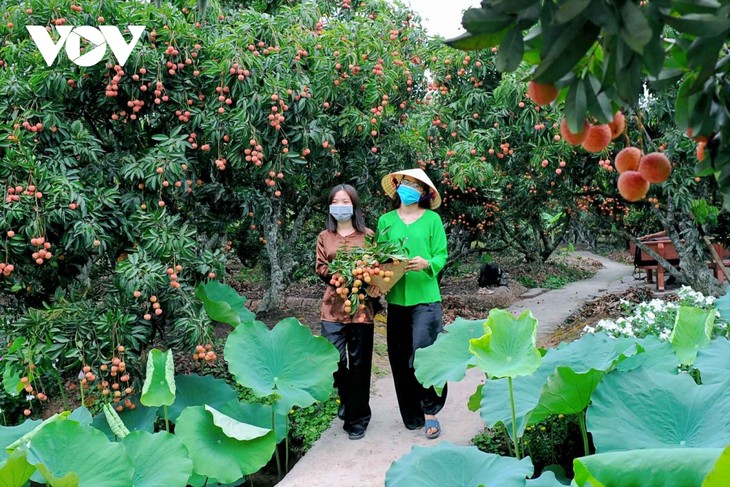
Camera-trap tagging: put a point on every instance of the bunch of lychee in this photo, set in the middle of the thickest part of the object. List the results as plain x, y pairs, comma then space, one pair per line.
637, 171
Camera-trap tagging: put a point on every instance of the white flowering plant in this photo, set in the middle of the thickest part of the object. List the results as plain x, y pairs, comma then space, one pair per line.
656, 317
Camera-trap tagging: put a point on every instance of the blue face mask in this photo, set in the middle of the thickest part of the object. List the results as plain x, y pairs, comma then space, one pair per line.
408, 195
342, 213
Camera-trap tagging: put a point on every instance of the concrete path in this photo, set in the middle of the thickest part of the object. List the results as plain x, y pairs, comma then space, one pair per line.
337, 461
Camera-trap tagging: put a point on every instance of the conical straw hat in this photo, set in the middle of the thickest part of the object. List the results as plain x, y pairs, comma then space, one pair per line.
389, 186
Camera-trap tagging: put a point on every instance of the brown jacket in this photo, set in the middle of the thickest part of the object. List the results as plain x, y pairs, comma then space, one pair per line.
333, 306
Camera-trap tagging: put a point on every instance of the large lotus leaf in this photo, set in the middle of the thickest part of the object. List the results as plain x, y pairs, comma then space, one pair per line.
475, 400
159, 459
591, 351
197, 390
141, 418
11, 434
37, 427
723, 304
159, 382
653, 354
222, 303
714, 361
448, 465
68, 454
258, 415
214, 453
81, 415
509, 350
692, 331
566, 392
15, 470
655, 410
449, 357
660, 467
495, 406
548, 478
719, 476
287, 360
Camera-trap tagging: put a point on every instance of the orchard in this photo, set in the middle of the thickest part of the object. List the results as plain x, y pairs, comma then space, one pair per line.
134, 191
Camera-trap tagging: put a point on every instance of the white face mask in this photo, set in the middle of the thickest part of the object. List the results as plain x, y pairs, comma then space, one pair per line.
341, 213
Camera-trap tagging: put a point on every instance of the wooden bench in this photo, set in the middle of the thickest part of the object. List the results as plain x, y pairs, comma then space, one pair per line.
662, 245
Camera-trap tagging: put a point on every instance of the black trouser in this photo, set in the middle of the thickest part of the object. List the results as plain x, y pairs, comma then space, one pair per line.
352, 378
411, 328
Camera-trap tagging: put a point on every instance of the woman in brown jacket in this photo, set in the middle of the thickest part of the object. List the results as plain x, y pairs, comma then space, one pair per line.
354, 340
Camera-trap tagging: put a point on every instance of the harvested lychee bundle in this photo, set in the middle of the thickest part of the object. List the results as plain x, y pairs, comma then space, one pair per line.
628, 159
655, 167
597, 138
632, 186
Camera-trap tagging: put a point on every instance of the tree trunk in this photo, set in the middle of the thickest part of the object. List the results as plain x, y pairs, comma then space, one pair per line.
274, 295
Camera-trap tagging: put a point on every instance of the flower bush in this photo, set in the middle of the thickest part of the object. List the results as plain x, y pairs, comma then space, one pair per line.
657, 317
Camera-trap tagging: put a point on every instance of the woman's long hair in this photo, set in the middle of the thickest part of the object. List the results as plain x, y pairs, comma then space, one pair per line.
358, 222
424, 202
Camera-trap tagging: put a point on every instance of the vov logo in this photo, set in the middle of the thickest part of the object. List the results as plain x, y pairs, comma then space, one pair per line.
71, 37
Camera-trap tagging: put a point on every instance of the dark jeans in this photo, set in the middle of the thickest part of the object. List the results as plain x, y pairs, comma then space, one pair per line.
352, 378
411, 328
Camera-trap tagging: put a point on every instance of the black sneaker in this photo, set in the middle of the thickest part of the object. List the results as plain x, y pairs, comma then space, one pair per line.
341, 411
356, 435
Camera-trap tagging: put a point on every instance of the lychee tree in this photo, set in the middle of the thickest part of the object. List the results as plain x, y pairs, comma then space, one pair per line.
120, 183
600, 55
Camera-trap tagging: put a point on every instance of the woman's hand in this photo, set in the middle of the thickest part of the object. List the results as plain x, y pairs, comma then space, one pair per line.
417, 264
373, 291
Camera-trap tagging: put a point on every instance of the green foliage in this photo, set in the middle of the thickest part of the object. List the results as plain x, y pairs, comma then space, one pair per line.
307, 424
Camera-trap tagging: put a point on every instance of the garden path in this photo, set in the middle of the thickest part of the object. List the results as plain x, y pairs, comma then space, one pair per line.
336, 461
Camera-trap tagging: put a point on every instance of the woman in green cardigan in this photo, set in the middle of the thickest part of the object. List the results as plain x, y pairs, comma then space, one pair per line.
414, 302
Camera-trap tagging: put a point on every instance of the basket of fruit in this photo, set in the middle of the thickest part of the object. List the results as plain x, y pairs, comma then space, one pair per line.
356, 271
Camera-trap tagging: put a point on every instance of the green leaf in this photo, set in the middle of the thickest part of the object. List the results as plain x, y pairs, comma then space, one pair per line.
509, 350
159, 381
657, 410
115, 423
259, 415
575, 105
719, 476
68, 453
222, 303
570, 9
635, 31
10, 434
723, 304
159, 459
141, 418
287, 360
198, 390
81, 415
11, 380
572, 43
470, 42
510, 51
235, 429
475, 400
549, 478
714, 361
15, 470
495, 406
704, 25
653, 354
37, 427
217, 455
485, 21
448, 465
448, 358
566, 392
660, 467
692, 331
